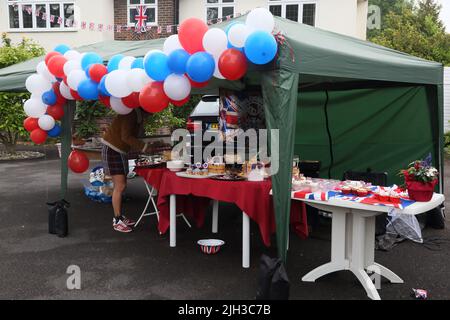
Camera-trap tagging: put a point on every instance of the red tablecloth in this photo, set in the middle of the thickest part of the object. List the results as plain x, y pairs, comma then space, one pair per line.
193, 198
153, 176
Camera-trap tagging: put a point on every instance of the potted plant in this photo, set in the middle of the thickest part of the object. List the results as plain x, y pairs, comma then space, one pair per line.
420, 179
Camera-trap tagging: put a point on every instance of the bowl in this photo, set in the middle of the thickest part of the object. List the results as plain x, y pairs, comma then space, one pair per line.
175, 165
210, 246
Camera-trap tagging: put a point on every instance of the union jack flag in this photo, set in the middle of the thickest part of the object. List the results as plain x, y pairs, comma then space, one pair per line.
141, 19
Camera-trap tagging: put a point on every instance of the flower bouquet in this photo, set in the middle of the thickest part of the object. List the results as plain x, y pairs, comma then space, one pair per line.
420, 179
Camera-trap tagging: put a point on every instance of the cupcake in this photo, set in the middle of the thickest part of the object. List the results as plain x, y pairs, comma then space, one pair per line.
346, 190
361, 192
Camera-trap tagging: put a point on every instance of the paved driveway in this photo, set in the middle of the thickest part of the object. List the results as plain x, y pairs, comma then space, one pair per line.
141, 265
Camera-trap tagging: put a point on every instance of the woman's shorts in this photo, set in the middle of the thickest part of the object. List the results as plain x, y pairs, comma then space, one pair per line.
114, 163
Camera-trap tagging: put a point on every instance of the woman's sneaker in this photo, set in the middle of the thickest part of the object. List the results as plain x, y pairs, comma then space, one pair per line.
121, 226
128, 222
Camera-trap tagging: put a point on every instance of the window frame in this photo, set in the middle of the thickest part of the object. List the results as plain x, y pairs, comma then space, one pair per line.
220, 5
142, 3
301, 3
21, 3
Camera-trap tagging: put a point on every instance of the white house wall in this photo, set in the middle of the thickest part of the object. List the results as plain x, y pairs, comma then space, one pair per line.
347, 17
99, 11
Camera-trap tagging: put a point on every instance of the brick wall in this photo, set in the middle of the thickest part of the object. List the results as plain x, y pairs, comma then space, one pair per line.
166, 16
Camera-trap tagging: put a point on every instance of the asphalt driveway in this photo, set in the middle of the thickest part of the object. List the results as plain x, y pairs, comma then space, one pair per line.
141, 265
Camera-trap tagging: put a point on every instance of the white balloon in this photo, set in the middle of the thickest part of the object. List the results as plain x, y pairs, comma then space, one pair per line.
238, 34
137, 79
34, 108
116, 83
260, 19
46, 122
43, 71
149, 53
171, 44
72, 55
177, 87
65, 91
70, 66
215, 41
75, 77
37, 84
217, 73
125, 63
118, 106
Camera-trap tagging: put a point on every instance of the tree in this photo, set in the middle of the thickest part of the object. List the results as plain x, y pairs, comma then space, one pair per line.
415, 28
11, 104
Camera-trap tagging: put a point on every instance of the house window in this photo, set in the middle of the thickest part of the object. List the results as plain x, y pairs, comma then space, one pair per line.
216, 9
38, 15
151, 11
295, 10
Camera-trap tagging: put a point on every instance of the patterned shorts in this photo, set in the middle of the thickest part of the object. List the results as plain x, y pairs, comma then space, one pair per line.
115, 163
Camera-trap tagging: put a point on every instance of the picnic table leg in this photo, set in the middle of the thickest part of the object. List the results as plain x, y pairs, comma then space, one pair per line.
358, 258
215, 216
173, 220
371, 265
245, 240
339, 236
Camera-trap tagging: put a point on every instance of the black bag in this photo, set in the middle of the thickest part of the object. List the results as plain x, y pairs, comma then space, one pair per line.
273, 282
58, 222
436, 218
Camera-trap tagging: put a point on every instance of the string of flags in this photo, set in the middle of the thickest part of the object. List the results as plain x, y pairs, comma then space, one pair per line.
140, 25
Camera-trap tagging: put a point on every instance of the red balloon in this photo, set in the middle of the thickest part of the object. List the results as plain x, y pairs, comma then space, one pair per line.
75, 95
97, 71
78, 161
55, 87
232, 64
180, 103
50, 55
60, 100
56, 65
31, 124
105, 100
38, 136
132, 101
197, 84
56, 111
152, 97
191, 34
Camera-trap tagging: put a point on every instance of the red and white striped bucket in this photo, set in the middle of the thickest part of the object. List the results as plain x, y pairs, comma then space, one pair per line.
210, 246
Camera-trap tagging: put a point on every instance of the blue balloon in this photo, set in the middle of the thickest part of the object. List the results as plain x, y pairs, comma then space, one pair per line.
90, 58
113, 63
178, 60
102, 88
55, 132
87, 71
138, 63
200, 66
49, 98
62, 48
260, 47
157, 66
88, 90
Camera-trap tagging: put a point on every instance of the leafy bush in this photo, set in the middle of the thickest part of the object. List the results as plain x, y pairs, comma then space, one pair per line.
447, 142
86, 115
11, 119
171, 117
11, 104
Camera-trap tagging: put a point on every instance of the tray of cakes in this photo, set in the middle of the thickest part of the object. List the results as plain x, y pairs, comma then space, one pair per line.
197, 171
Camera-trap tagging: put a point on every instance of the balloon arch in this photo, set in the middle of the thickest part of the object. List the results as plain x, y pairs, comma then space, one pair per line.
189, 59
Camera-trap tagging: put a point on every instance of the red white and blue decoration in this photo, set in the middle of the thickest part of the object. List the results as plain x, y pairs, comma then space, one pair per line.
189, 59
141, 19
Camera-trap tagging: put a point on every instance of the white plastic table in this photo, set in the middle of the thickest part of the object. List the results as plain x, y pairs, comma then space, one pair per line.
353, 239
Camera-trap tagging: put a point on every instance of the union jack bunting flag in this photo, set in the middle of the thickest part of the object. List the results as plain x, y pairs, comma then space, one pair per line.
141, 19
92, 26
60, 20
